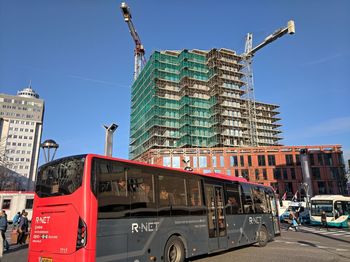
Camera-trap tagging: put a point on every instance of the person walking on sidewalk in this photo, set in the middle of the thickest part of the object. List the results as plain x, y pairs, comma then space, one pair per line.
23, 229
3, 228
1, 248
293, 221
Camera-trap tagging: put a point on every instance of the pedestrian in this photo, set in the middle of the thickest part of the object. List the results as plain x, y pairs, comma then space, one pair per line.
336, 214
293, 221
324, 220
16, 219
1, 248
23, 229
3, 228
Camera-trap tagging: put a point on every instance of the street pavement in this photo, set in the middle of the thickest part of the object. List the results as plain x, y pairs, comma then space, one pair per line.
309, 244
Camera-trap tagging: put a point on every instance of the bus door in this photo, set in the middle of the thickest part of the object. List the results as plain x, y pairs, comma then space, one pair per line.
274, 213
216, 217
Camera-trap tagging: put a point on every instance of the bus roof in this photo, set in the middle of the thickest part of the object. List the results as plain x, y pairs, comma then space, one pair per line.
331, 197
17, 192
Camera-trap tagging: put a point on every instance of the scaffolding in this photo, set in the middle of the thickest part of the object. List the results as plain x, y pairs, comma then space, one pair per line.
194, 98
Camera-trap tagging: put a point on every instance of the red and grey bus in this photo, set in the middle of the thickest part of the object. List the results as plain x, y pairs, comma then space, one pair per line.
98, 208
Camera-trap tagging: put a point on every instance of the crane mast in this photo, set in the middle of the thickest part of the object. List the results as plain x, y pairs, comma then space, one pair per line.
139, 52
248, 54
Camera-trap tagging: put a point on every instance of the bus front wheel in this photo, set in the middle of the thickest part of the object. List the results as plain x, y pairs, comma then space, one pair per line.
174, 250
263, 237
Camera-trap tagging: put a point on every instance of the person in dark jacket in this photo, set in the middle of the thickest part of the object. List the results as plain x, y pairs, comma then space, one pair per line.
324, 220
3, 228
23, 229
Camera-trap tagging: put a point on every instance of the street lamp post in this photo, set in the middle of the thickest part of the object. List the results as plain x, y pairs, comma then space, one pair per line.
48, 146
109, 138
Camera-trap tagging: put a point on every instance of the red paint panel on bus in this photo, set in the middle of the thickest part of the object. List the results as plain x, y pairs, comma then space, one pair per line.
54, 228
55, 220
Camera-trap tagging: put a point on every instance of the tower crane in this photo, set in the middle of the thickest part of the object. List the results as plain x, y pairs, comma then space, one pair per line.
139, 52
248, 54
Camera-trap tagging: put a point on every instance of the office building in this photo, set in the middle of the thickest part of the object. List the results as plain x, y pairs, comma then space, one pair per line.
21, 120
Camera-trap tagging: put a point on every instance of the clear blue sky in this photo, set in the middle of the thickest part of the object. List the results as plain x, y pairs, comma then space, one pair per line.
79, 56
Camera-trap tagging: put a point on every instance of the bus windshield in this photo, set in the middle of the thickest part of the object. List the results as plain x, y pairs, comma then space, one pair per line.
61, 177
317, 206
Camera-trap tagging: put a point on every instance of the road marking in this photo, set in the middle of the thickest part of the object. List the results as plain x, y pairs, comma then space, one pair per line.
341, 249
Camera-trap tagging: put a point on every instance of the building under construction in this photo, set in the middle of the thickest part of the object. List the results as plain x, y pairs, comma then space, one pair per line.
195, 98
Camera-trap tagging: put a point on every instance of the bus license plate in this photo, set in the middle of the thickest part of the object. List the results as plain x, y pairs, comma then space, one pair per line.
46, 259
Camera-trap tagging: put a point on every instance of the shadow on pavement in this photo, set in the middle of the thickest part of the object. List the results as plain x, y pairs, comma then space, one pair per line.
14, 248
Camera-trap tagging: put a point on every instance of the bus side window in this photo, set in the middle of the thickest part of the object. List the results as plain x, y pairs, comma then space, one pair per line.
172, 195
259, 199
247, 199
195, 192
113, 197
233, 203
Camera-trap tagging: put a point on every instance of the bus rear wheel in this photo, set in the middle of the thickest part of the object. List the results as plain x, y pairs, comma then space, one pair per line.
174, 250
263, 237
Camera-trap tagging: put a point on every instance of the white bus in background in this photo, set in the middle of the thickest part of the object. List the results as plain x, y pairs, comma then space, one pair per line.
337, 208
16, 201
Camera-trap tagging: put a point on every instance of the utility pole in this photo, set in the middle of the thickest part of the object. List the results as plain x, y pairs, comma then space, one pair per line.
248, 54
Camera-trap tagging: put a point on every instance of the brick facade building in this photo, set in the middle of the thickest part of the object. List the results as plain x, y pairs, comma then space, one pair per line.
277, 166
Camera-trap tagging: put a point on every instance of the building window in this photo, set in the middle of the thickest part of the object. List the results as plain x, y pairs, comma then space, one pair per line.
340, 159
312, 160
202, 161
233, 161
261, 160
328, 159
321, 187
29, 204
241, 158
330, 187
297, 160
228, 172
292, 172
6, 204
249, 160
257, 177
277, 173
222, 161
320, 159
176, 161
285, 174
245, 173
265, 173
288, 187
236, 173
195, 160
334, 173
214, 161
271, 160
167, 161
289, 160
316, 172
